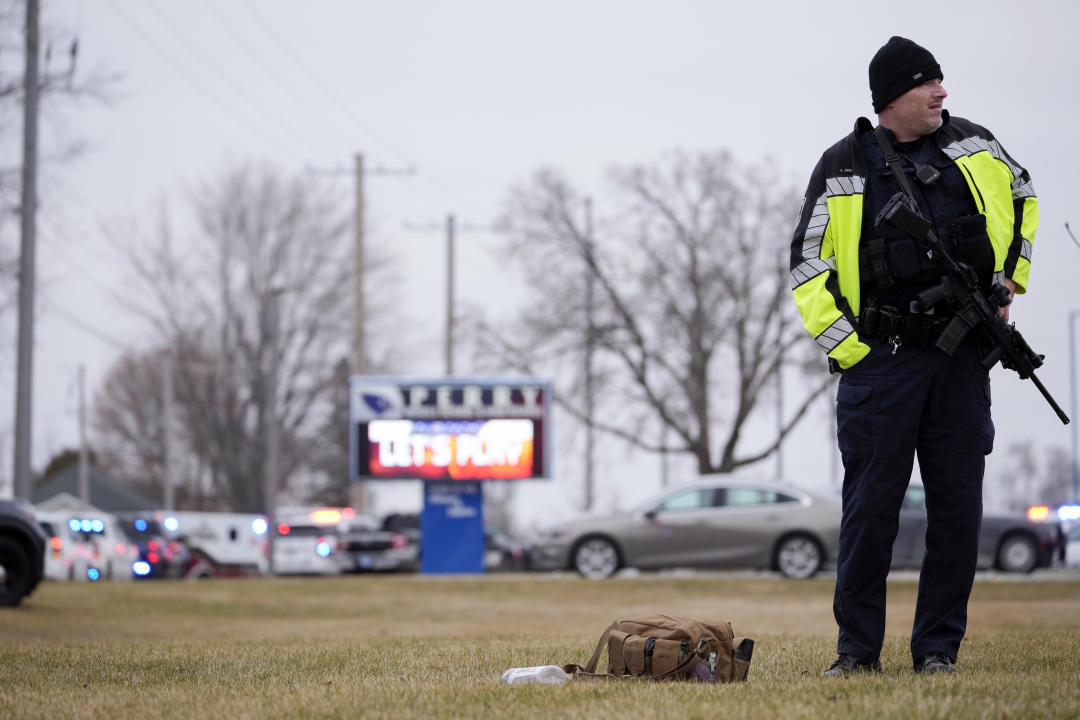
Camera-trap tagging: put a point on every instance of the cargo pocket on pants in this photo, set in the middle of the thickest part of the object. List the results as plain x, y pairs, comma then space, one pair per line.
855, 425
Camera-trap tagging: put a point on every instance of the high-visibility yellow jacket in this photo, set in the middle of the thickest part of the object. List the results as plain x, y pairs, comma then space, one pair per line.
825, 247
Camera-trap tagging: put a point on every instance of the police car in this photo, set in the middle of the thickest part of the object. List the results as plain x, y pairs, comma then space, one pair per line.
307, 540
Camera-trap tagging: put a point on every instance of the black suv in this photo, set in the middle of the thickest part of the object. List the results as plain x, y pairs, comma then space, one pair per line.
22, 552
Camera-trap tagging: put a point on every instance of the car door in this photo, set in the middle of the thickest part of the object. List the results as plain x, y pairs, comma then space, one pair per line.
676, 531
910, 543
722, 526
746, 525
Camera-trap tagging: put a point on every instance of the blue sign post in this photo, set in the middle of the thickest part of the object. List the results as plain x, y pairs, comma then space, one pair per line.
452, 528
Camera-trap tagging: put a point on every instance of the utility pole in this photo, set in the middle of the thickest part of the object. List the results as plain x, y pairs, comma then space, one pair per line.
449, 349
452, 228
168, 399
590, 349
273, 436
359, 340
359, 268
84, 470
28, 212
780, 379
1074, 315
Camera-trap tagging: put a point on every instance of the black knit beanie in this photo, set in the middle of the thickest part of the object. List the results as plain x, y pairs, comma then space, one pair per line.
897, 67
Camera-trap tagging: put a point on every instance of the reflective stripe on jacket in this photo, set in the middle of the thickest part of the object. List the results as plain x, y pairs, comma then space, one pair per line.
825, 247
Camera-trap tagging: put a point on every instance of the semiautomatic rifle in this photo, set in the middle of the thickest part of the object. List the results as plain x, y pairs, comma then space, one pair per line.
974, 307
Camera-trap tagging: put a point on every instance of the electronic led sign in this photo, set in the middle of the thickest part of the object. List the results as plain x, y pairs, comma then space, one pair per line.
449, 430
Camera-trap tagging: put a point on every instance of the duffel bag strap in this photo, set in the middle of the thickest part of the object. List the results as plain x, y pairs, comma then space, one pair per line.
590, 667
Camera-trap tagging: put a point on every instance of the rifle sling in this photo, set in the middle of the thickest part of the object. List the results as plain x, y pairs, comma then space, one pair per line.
893, 160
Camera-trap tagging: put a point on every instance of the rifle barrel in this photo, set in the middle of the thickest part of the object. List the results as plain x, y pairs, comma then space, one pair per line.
1049, 398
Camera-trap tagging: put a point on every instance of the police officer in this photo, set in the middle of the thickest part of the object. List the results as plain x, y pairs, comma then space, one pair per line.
855, 286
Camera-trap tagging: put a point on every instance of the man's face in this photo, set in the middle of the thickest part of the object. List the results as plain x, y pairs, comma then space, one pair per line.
917, 112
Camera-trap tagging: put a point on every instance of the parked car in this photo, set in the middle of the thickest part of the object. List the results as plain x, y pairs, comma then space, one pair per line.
390, 544
22, 552
1010, 543
502, 552
307, 541
709, 524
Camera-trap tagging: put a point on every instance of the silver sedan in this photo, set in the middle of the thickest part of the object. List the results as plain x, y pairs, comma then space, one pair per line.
708, 524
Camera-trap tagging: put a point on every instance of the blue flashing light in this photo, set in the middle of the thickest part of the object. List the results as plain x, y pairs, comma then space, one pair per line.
259, 526
323, 549
141, 525
97, 526
86, 526
171, 524
1069, 512
74, 525
141, 568
93, 574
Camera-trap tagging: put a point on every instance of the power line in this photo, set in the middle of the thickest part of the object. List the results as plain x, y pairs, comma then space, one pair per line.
55, 247
279, 78
193, 79
317, 82
86, 327
238, 88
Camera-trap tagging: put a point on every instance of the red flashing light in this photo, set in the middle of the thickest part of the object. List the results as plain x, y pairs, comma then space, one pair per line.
56, 543
153, 558
152, 546
283, 529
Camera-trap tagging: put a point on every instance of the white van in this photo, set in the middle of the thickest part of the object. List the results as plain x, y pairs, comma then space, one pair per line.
222, 544
86, 545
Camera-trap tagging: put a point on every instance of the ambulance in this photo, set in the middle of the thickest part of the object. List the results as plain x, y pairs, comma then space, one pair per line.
221, 544
86, 545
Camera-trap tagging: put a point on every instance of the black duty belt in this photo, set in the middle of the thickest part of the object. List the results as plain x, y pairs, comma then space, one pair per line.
889, 323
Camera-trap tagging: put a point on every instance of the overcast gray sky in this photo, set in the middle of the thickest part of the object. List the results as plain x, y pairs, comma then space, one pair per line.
476, 94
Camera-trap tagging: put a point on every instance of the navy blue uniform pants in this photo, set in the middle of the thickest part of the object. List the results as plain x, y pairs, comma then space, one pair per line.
890, 407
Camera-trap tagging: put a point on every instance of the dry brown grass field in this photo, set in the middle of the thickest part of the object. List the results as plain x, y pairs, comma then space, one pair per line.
384, 646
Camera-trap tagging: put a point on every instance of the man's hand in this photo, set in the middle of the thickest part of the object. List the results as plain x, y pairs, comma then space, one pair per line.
1004, 311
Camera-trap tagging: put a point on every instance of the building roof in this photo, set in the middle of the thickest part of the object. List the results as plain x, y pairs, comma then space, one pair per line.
105, 492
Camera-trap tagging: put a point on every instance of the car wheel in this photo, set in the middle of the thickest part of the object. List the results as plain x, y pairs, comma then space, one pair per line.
1018, 554
14, 573
798, 556
596, 558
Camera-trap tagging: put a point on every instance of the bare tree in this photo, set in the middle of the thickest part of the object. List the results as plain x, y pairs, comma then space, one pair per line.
692, 318
259, 234
129, 424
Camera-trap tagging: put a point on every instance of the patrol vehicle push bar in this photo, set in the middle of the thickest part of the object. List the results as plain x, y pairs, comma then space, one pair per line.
974, 307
